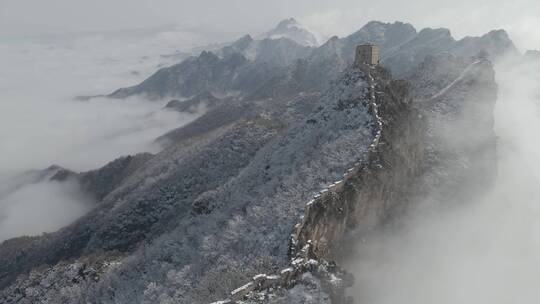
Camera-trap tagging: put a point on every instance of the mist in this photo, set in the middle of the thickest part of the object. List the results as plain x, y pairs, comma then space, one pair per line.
486, 250
42, 123
230, 19
41, 207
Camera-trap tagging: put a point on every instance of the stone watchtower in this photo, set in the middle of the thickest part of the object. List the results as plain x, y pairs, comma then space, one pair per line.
367, 54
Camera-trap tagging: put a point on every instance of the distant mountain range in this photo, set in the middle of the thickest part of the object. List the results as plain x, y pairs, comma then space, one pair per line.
288, 55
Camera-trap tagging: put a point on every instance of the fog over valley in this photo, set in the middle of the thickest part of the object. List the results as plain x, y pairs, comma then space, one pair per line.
43, 123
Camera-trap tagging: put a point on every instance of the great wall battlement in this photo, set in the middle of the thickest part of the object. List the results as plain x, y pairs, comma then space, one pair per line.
368, 195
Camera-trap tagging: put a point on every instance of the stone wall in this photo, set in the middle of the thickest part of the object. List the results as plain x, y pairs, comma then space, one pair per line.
367, 195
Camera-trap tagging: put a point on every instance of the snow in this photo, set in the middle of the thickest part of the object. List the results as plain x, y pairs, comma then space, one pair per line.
286, 270
243, 289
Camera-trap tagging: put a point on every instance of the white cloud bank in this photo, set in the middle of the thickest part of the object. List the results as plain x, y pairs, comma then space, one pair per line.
41, 207
41, 124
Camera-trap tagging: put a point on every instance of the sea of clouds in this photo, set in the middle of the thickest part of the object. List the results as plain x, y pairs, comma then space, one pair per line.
42, 123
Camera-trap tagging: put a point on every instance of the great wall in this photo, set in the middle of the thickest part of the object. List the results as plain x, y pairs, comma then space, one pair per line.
370, 193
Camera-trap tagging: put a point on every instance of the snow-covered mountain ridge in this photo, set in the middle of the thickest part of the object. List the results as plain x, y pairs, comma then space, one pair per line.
253, 65
219, 204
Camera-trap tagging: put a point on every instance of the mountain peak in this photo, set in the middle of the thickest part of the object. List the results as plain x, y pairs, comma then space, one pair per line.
379, 26
496, 43
375, 24
431, 32
293, 30
502, 34
386, 35
287, 23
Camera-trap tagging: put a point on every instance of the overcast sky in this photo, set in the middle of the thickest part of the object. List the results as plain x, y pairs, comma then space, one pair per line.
235, 17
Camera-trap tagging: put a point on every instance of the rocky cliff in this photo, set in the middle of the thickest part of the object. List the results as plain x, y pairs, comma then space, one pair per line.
371, 193
409, 163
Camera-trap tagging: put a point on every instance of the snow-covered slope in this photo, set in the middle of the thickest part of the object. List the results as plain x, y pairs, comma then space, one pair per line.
248, 66
218, 205
232, 195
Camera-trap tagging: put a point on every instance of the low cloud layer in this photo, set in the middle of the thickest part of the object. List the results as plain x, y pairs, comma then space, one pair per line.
42, 124
41, 207
40, 121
